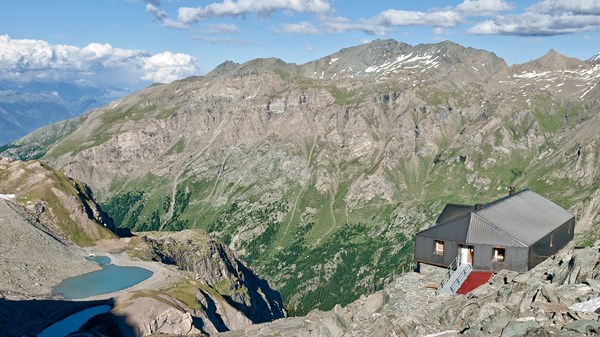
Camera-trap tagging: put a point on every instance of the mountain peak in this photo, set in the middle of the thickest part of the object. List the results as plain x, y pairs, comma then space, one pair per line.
595, 58
224, 68
552, 60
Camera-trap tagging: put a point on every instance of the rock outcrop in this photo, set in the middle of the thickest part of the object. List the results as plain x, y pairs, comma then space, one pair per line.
64, 205
221, 294
559, 297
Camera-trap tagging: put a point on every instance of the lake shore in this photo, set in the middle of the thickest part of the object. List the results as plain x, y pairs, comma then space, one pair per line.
163, 276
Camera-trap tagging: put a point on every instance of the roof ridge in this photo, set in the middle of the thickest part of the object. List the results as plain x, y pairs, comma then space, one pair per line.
492, 203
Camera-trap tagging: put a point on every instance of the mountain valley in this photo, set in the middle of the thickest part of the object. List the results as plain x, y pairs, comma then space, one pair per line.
319, 174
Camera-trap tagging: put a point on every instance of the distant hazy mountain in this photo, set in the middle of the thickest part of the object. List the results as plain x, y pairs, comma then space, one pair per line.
320, 174
26, 107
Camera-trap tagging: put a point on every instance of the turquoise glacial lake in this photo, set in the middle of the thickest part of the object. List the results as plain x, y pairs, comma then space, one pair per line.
110, 278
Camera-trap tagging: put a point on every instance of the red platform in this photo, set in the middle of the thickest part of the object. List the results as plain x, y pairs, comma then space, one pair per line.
474, 280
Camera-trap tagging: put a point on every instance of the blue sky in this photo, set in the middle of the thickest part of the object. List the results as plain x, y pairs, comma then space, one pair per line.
132, 43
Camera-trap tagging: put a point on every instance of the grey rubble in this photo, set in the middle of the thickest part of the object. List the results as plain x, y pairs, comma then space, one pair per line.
534, 303
33, 260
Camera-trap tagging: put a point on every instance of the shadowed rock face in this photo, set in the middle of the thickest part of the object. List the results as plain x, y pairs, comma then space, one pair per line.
319, 174
217, 267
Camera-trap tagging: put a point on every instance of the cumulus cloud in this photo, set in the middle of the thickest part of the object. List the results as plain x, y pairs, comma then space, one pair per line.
575, 7
386, 21
483, 7
167, 67
392, 17
95, 64
230, 8
548, 17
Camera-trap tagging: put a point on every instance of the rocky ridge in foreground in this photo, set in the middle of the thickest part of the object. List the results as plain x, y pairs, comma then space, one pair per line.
559, 297
65, 205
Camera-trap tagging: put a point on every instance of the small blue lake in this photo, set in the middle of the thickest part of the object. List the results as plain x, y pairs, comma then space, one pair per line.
110, 278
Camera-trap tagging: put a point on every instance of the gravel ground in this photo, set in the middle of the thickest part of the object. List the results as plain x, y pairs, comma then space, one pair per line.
32, 259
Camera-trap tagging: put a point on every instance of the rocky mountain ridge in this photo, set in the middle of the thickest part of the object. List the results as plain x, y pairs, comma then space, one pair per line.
319, 174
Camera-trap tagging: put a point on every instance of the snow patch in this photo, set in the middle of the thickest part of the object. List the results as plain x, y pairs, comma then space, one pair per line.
529, 75
333, 60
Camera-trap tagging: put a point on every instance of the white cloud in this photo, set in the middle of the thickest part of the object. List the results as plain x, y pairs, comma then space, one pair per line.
95, 64
385, 21
340, 24
483, 7
536, 24
230, 8
309, 48
298, 28
167, 67
157, 13
393, 17
575, 7
221, 29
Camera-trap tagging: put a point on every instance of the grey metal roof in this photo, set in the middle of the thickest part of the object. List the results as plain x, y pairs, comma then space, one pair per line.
520, 219
455, 230
454, 211
524, 216
482, 232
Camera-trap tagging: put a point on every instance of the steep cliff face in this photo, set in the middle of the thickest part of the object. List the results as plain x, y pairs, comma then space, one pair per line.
319, 174
215, 266
217, 291
64, 205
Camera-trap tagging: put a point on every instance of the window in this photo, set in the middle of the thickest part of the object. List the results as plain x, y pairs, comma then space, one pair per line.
499, 254
439, 247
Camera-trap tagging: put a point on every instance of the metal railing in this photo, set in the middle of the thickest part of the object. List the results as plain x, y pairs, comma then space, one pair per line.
456, 272
461, 277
